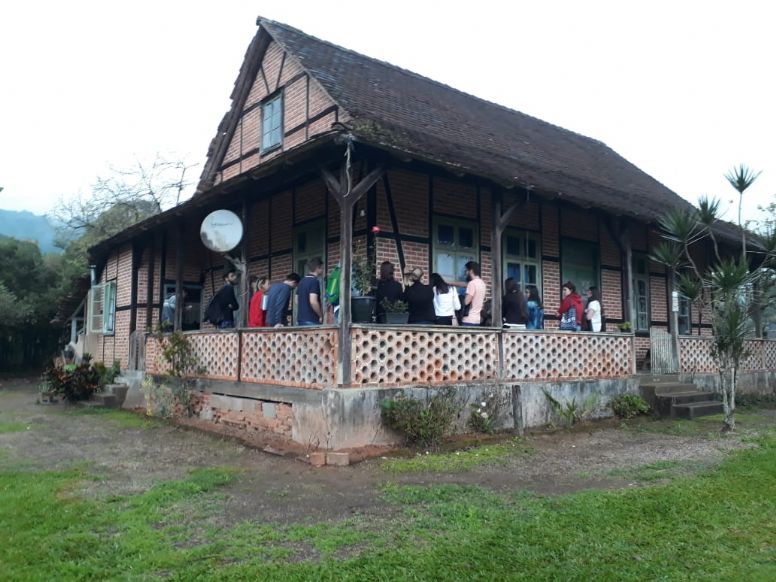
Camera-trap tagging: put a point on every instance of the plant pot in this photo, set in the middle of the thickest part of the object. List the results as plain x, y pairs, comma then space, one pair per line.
363, 309
395, 317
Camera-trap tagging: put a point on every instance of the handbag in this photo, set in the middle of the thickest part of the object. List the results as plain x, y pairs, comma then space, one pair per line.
568, 320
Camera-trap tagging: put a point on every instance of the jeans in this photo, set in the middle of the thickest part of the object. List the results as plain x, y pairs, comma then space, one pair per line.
308, 323
444, 320
226, 324
465, 324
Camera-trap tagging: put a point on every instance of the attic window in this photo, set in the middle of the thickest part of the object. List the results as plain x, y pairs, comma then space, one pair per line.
272, 123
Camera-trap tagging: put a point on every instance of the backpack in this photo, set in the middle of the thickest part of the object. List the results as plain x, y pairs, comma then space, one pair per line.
213, 312
333, 287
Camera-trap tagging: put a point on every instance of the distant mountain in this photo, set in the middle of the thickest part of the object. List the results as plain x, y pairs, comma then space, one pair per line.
25, 225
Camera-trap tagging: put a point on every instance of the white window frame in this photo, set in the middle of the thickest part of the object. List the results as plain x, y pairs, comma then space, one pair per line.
456, 250
523, 259
102, 308
271, 122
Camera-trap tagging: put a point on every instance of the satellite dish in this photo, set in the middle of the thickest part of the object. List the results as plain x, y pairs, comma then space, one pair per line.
221, 231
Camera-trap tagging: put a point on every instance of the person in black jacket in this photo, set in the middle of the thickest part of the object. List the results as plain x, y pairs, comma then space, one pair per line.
225, 301
420, 299
515, 306
387, 288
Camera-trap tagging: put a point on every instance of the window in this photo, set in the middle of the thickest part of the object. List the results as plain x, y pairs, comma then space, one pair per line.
102, 308
685, 316
272, 123
522, 258
579, 264
640, 292
455, 244
192, 305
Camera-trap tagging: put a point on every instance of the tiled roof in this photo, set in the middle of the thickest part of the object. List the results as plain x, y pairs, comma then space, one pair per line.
396, 108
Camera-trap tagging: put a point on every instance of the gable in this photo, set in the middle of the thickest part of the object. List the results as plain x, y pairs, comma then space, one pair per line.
307, 111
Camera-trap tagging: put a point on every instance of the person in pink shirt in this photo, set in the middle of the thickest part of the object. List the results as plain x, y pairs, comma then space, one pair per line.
475, 294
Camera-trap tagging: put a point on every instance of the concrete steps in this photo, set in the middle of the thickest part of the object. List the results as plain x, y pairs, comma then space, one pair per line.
672, 398
112, 397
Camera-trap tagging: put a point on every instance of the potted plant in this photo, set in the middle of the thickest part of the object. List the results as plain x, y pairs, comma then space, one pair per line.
395, 312
625, 327
362, 303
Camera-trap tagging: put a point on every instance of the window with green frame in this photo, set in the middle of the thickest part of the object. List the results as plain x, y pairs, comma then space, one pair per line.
102, 308
579, 264
455, 243
640, 317
522, 257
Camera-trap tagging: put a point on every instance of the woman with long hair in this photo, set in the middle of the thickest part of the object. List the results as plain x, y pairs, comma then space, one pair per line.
387, 288
256, 311
595, 311
571, 309
446, 300
515, 307
535, 308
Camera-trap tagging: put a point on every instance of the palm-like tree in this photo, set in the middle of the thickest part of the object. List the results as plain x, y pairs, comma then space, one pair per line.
741, 178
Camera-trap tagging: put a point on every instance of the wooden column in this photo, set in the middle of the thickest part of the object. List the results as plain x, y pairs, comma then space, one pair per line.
626, 252
347, 196
150, 286
243, 320
179, 307
500, 221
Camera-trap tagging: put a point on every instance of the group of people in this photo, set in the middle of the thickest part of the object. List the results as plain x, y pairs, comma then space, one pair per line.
437, 303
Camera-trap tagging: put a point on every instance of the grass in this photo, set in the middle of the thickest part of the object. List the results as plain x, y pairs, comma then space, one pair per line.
119, 418
657, 471
13, 426
705, 426
716, 525
457, 461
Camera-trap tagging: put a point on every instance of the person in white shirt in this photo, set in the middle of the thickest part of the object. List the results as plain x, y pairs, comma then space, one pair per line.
446, 301
594, 310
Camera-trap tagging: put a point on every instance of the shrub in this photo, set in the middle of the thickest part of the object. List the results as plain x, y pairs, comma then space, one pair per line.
107, 375
629, 405
178, 353
421, 422
485, 413
73, 382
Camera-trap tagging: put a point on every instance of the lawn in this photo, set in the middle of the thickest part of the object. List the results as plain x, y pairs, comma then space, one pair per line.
715, 525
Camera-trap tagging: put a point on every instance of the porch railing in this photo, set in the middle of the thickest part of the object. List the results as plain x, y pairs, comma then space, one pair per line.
695, 355
306, 357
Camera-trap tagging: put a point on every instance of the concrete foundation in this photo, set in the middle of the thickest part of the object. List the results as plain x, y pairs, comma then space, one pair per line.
762, 383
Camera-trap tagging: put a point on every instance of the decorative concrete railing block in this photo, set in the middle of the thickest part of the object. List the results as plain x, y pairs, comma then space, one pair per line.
566, 355
695, 355
302, 357
392, 356
217, 353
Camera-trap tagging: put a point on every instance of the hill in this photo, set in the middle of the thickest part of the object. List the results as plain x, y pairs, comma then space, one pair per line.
24, 225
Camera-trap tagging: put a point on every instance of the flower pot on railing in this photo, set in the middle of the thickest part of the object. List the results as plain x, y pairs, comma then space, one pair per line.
394, 312
363, 309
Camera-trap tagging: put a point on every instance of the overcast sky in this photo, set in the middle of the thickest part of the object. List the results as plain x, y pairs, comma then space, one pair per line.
684, 90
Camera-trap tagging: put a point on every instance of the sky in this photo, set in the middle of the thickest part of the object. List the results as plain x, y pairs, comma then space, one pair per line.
684, 90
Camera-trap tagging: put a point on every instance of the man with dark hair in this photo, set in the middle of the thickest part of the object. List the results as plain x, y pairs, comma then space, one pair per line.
221, 310
309, 310
475, 294
278, 298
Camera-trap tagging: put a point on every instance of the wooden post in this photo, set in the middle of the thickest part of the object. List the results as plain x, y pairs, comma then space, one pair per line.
499, 223
150, 285
179, 307
627, 258
244, 291
347, 197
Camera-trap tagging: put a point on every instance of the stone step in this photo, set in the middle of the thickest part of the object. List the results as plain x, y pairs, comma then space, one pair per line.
693, 410
664, 402
669, 387
104, 400
119, 391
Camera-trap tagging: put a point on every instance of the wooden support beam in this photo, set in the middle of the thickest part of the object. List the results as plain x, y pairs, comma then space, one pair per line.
150, 283
179, 307
501, 219
347, 195
244, 291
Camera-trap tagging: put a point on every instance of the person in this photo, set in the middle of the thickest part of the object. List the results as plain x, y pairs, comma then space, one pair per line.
419, 298
515, 307
594, 311
168, 309
256, 312
475, 294
388, 288
535, 308
570, 310
446, 301
224, 302
278, 297
309, 310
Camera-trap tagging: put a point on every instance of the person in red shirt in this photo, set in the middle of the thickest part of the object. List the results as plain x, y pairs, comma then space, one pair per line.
256, 315
571, 299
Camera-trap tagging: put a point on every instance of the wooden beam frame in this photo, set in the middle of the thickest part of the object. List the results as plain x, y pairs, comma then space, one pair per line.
179, 277
347, 195
501, 219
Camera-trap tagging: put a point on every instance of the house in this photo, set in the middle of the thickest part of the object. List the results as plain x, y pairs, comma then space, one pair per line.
329, 153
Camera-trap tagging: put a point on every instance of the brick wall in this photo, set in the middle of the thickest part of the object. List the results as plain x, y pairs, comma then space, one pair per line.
244, 414
611, 292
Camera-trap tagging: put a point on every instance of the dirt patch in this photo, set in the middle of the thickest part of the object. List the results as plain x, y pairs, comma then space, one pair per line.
130, 457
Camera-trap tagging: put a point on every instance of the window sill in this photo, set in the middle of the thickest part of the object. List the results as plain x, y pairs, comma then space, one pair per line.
269, 150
